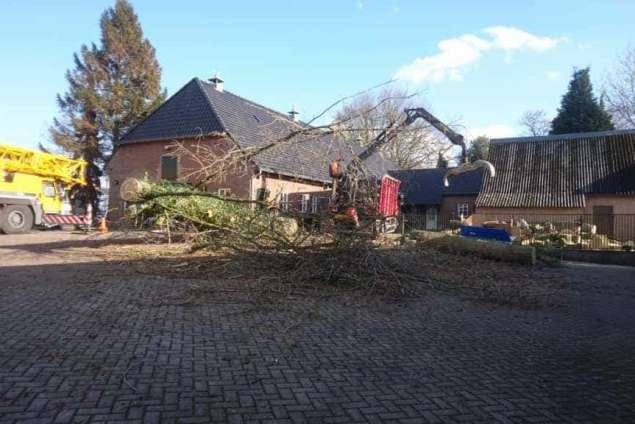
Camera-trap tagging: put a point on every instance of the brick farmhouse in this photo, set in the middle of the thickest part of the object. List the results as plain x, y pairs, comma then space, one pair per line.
202, 113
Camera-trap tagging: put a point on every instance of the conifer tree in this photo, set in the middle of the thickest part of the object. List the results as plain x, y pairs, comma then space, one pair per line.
112, 87
580, 110
479, 149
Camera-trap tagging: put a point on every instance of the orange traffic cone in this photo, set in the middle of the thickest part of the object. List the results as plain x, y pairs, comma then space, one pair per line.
102, 227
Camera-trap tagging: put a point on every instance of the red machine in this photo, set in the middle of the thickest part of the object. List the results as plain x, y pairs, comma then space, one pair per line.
388, 201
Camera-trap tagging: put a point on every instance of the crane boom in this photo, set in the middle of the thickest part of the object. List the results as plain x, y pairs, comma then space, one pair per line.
27, 161
454, 137
412, 115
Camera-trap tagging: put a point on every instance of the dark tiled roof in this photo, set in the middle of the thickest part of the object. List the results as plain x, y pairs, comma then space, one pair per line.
200, 109
558, 171
187, 113
425, 186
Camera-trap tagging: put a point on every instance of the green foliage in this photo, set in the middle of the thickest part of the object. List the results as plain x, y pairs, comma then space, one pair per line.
479, 149
163, 202
112, 87
214, 221
580, 110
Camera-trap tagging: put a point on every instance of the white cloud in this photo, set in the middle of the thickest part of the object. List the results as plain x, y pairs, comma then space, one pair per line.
553, 75
455, 54
491, 131
508, 38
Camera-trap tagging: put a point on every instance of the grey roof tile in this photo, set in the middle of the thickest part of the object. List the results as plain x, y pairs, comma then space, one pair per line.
187, 113
199, 109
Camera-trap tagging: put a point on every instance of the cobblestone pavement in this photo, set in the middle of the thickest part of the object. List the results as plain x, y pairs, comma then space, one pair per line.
88, 342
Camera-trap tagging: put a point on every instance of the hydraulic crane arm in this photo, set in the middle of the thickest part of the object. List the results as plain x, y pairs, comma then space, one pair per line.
411, 116
454, 137
345, 182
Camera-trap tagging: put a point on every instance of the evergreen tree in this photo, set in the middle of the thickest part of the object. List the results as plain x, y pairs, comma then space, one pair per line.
442, 162
580, 111
479, 149
112, 87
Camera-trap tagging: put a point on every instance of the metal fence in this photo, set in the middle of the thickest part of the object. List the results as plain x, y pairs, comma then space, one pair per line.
430, 222
581, 231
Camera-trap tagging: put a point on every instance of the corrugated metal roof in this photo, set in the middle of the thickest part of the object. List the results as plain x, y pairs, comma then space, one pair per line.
558, 171
199, 109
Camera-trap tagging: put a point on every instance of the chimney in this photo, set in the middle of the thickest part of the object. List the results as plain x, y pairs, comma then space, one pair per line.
217, 82
293, 113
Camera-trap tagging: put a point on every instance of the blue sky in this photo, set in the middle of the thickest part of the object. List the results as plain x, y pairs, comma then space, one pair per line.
480, 64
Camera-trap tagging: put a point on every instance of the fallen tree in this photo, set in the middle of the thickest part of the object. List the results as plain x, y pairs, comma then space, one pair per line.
213, 221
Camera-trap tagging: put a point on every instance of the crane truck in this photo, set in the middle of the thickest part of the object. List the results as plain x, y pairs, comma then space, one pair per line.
35, 189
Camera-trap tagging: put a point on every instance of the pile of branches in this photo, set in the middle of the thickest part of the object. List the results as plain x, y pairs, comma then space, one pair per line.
272, 244
257, 243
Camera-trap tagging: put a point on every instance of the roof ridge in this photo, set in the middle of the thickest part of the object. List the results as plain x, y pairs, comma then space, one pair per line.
430, 169
568, 136
211, 106
268, 109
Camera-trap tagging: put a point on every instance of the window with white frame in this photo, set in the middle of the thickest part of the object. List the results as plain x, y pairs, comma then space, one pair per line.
284, 202
225, 192
304, 203
463, 209
315, 204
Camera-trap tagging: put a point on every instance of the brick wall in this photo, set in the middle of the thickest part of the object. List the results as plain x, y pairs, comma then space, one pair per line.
621, 204
620, 225
449, 205
140, 159
486, 214
278, 185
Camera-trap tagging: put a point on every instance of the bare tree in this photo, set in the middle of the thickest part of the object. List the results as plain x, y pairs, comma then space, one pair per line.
535, 122
365, 116
619, 90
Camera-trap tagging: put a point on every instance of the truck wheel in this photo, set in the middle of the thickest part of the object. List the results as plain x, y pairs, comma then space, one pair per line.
16, 219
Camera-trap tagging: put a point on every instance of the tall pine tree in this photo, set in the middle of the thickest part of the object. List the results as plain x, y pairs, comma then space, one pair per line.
112, 87
580, 110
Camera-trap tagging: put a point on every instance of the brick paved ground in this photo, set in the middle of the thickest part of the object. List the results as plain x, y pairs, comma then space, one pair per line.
88, 343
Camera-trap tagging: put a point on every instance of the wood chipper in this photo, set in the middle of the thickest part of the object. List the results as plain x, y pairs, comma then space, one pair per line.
35, 189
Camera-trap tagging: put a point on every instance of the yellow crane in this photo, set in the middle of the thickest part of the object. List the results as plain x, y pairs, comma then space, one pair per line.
34, 188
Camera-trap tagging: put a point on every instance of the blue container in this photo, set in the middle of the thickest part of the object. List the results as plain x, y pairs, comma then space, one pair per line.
484, 233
